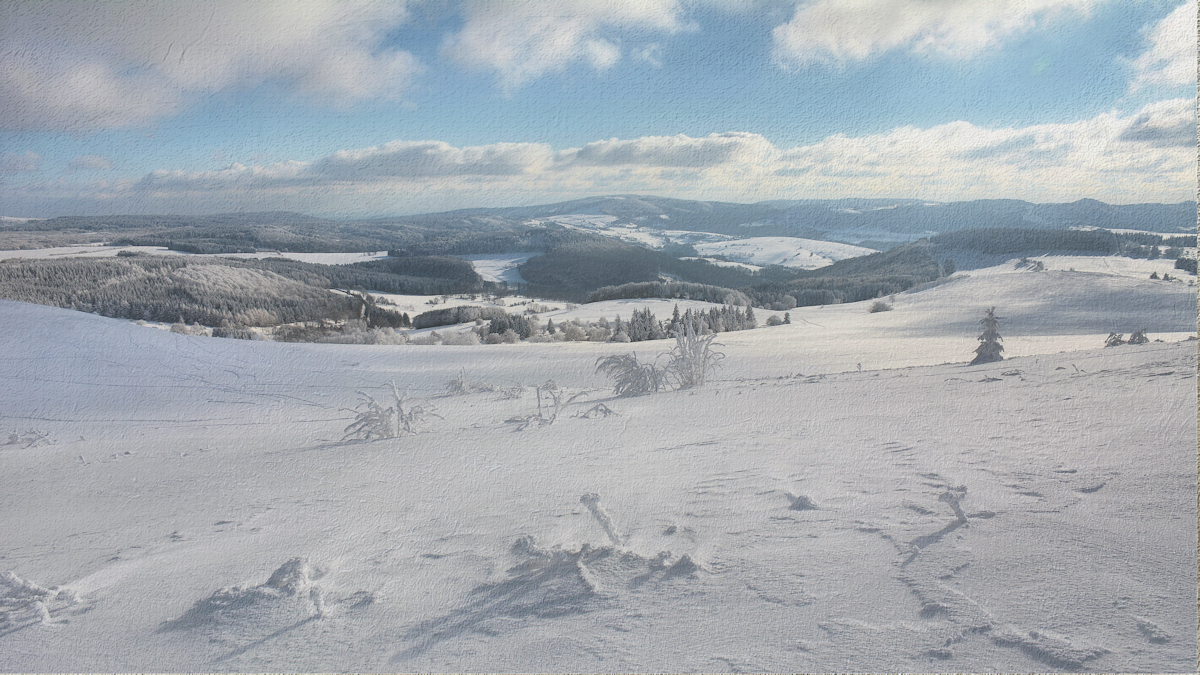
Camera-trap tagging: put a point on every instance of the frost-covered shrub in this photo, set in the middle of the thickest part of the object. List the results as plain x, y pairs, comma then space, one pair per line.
508, 337
405, 416
463, 339
1138, 338
432, 338
774, 320
1114, 340
184, 329
598, 333
879, 306
235, 333
693, 358
630, 377
573, 332
621, 337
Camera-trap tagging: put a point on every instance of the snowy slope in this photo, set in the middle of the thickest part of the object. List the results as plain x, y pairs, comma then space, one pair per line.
158, 486
499, 267
786, 251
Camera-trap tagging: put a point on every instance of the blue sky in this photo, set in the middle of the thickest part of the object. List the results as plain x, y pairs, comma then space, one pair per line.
366, 108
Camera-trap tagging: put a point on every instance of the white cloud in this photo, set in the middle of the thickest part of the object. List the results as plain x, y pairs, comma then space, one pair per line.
386, 164
91, 163
19, 162
1171, 58
87, 65
421, 159
1145, 156
841, 31
671, 151
521, 41
1112, 157
1164, 124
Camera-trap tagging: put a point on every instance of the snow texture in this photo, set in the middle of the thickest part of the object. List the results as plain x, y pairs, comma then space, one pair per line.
194, 507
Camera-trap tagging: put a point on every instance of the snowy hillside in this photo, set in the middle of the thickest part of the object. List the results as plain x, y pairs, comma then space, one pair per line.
101, 251
179, 503
786, 251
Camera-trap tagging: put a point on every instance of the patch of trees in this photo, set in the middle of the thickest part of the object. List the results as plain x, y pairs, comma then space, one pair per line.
1186, 264
716, 320
831, 290
680, 290
455, 315
1011, 240
434, 267
524, 326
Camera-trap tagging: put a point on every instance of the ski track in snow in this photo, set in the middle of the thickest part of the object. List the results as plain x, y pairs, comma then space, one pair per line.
188, 503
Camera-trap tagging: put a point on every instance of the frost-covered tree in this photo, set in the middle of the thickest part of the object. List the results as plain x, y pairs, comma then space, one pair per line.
1138, 337
989, 347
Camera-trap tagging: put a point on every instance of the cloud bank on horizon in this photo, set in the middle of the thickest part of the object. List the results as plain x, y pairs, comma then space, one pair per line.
365, 108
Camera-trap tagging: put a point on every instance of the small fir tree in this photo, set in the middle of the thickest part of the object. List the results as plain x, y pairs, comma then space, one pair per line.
989, 347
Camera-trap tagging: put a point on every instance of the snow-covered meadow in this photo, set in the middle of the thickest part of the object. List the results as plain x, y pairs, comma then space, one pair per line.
786, 251
846, 495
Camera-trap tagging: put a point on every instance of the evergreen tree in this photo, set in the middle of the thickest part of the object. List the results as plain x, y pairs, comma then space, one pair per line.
550, 327
751, 321
989, 347
787, 318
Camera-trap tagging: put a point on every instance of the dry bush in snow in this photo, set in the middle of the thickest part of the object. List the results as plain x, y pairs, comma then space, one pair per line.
693, 358
879, 306
631, 377
373, 421
690, 363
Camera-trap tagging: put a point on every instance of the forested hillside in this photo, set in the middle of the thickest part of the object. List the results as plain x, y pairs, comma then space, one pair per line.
224, 291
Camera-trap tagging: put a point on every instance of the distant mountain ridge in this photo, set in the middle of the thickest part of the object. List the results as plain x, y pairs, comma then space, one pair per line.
875, 223
856, 221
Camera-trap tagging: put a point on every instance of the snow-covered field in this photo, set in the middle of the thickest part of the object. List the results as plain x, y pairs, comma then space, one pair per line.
786, 251
1137, 268
177, 503
499, 267
749, 251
